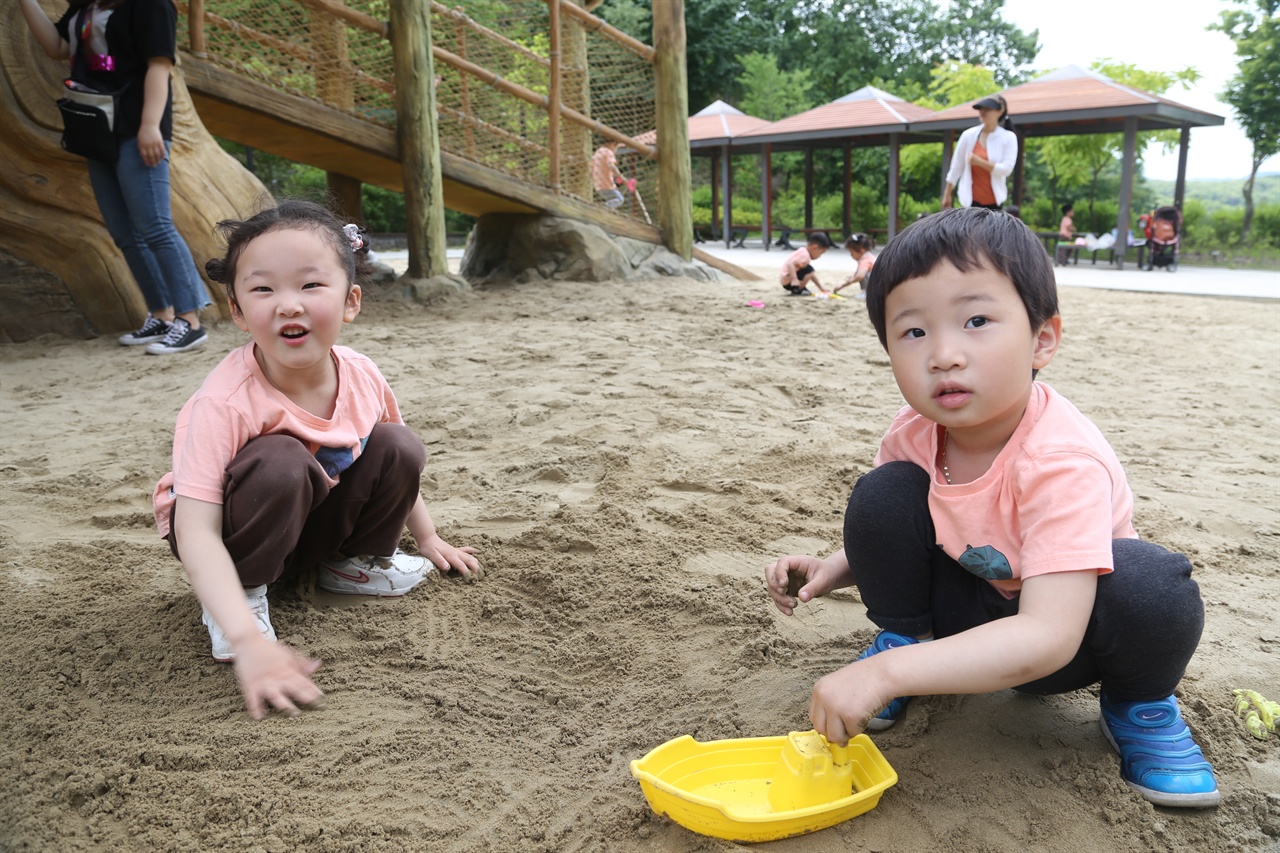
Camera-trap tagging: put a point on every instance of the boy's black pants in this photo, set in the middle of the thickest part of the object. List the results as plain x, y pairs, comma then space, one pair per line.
1147, 616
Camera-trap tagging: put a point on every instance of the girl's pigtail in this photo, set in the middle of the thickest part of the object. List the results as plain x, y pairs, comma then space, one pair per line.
216, 269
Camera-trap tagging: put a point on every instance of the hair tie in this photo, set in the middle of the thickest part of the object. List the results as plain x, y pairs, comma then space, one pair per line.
354, 237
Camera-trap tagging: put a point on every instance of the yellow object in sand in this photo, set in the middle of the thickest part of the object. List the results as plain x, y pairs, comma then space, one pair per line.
763, 789
1259, 713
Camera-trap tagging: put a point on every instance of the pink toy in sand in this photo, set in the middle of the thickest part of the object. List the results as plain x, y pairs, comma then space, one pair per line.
755, 303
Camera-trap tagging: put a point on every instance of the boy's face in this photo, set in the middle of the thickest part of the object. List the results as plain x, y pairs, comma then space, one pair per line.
962, 350
816, 251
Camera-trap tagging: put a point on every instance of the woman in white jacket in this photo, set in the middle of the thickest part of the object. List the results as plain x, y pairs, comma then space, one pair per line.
984, 157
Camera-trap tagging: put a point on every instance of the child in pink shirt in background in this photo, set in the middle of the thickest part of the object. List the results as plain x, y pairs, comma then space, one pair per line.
292, 456
992, 542
859, 246
797, 270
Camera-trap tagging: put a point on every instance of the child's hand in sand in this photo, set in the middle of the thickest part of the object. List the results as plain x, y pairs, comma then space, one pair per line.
448, 558
799, 577
272, 675
844, 701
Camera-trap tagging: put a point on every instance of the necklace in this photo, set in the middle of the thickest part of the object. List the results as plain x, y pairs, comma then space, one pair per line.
946, 472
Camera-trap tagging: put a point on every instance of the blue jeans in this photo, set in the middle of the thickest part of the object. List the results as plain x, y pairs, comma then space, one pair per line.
134, 200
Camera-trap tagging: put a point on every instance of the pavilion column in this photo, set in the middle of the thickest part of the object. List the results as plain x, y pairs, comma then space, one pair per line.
808, 188
766, 195
947, 142
1180, 187
1126, 188
893, 185
715, 187
727, 182
848, 188
1018, 184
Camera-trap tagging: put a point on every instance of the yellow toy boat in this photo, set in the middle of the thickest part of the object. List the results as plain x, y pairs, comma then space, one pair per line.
763, 789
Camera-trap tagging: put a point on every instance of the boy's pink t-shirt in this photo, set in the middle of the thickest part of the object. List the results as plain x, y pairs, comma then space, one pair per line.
1052, 501
236, 404
798, 259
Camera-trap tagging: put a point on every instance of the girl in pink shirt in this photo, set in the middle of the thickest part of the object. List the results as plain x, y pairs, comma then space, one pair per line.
292, 456
859, 246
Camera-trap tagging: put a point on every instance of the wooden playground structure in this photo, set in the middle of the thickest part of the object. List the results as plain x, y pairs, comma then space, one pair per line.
499, 111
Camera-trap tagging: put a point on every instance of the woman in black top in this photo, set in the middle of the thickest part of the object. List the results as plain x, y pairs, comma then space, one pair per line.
129, 46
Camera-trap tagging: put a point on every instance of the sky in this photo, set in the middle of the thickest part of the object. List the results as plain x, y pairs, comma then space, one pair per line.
1156, 36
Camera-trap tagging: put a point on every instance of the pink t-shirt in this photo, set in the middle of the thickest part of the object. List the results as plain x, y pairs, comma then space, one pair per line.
798, 259
865, 263
1052, 501
603, 162
236, 403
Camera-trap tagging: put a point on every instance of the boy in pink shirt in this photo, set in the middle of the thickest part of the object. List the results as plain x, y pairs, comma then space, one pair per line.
992, 542
797, 271
292, 456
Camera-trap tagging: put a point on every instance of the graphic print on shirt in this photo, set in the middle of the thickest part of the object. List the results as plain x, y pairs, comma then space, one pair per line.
335, 460
986, 562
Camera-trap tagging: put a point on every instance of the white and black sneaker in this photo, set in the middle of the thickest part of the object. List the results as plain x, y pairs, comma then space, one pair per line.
181, 337
154, 329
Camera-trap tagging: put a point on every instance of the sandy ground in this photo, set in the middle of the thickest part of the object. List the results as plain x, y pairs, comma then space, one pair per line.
628, 457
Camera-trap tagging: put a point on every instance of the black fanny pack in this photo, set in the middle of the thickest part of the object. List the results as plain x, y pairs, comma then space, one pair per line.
89, 121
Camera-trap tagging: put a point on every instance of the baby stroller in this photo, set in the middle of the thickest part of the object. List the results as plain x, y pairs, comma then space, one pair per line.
1162, 228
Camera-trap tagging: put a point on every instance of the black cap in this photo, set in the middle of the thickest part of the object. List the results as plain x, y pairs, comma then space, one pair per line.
988, 104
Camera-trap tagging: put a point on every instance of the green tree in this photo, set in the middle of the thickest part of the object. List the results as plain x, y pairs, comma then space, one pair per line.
1251, 93
770, 93
1081, 160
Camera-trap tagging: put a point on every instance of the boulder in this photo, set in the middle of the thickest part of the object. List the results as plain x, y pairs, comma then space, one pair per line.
523, 248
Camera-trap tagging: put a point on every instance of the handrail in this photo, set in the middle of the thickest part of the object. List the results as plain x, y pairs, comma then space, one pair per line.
593, 23
459, 15
524, 94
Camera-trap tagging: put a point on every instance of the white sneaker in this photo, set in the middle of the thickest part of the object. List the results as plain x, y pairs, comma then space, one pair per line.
257, 596
387, 577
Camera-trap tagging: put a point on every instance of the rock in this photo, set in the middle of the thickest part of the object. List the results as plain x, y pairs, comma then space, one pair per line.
424, 290
526, 248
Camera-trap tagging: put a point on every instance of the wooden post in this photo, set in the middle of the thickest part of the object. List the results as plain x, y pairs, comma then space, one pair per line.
726, 178
808, 188
195, 27
893, 185
848, 189
418, 139
575, 92
464, 91
333, 62
553, 98
1126, 188
344, 195
671, 108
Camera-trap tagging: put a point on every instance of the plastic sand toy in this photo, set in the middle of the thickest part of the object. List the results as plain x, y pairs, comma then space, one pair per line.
763, 789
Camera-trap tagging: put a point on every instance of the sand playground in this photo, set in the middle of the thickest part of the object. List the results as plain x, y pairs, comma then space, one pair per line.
628, 456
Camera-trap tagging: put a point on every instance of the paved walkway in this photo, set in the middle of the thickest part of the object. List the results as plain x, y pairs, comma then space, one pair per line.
1198, 281
1195, 281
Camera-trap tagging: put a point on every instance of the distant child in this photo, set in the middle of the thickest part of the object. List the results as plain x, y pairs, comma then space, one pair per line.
605, 175
1066, 233
859, 246
292, 456
992, 542
797, 271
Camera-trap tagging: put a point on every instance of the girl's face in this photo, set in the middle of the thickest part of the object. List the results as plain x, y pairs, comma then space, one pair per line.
989, 117
292, 296
856, 253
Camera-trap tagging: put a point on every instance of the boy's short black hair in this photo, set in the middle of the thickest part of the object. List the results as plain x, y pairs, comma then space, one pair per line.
1067, 208
968, 237
818, 238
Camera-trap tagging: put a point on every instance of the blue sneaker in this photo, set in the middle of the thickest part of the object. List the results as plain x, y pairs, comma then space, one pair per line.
887, 640
1158, 757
